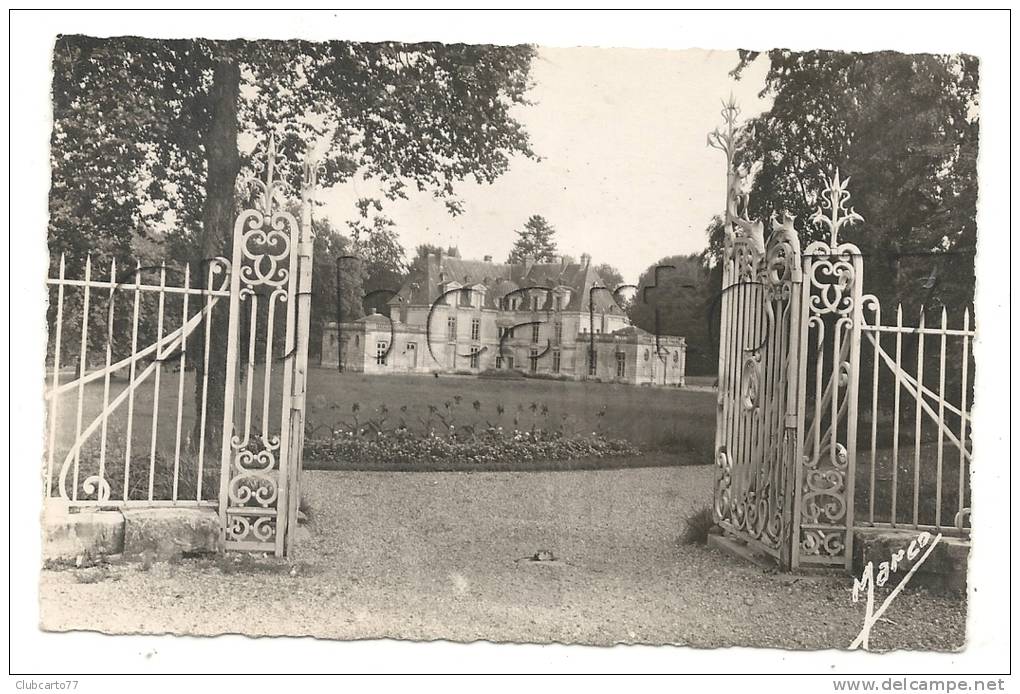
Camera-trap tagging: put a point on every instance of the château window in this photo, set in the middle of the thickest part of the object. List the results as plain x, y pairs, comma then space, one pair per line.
534, 333
451, 328
474, 357
533, 360
556, 361
475, 328
380, 353
621, 364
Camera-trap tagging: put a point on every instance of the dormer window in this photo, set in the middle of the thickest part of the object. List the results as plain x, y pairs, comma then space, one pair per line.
561, 297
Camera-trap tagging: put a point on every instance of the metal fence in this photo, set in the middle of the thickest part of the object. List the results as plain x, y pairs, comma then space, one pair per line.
123, 425
915, 470
187, 419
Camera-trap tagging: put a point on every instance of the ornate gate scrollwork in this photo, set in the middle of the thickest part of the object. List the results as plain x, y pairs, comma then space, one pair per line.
259, 405
830, 359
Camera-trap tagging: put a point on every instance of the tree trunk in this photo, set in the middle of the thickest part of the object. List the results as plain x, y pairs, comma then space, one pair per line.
222, 168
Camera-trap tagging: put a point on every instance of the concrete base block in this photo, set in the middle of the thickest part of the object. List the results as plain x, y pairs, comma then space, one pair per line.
944, 570
66, 536
160, 534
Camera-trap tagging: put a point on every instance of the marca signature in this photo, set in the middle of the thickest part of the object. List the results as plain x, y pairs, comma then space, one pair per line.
868, 580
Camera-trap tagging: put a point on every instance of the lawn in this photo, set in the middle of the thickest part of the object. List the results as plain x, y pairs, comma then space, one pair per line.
652, 418
671, 426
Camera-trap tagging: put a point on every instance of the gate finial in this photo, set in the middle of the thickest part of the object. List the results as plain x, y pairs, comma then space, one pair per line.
832, 211
723, 139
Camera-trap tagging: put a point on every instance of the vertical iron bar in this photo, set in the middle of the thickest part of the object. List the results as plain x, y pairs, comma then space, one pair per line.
917, 415
81, 371
942, 420
226, 457
268, 371
131, 380
159, 370
963, 414
205, 378
800, 366
896, 413
852, 408
286, 409
874, 413
180, 380
106, 376
55, 382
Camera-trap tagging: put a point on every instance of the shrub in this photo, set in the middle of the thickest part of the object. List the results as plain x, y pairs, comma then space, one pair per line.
305, 507
697, 526
540, 376
504, 374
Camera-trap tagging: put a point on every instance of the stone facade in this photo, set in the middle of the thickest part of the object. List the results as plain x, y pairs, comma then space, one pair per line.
463, 316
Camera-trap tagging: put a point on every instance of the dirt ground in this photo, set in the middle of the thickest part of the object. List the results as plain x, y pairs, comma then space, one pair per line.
446, 556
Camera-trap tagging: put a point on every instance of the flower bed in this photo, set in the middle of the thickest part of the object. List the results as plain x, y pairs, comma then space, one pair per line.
453, 449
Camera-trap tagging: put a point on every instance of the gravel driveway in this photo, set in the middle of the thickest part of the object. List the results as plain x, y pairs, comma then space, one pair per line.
444, 556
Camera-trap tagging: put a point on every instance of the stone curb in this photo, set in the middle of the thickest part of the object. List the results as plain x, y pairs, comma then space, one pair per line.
155, 534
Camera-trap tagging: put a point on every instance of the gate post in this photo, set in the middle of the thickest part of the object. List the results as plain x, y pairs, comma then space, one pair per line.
725, 142
305, 250
831, 310
255, 455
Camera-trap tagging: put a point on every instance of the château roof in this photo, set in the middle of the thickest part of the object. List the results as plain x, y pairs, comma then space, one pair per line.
424, 286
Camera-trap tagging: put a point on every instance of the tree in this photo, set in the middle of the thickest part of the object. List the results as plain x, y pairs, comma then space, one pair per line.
423, 250
338, 282
146, 132
674, 297
612, 277
378, 247
905, 129
535, 240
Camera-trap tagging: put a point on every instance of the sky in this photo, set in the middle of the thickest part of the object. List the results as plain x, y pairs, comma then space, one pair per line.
625, 173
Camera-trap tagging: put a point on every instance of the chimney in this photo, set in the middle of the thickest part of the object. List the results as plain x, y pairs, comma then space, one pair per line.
487, 258
585, 259
432, 274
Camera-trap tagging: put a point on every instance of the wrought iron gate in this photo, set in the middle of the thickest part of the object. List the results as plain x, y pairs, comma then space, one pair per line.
758, 424
786, 433
263, 419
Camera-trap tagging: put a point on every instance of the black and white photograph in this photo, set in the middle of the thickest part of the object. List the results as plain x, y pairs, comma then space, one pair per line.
443, 337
